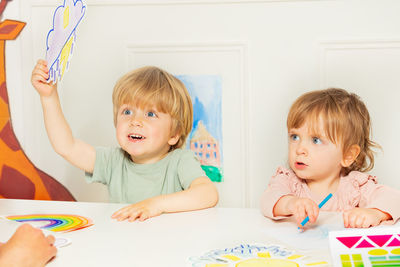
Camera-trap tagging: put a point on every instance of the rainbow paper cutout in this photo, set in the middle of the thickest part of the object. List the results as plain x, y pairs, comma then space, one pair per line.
60, 223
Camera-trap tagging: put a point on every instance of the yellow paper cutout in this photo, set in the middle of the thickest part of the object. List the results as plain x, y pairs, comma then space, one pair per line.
293, 257
264, 255
377, 252
66, 17
396, 251
266, 263
317, 263
231, 257
65, 54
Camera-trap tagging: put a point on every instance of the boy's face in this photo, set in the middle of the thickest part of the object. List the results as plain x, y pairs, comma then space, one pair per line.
313, 156
144, 134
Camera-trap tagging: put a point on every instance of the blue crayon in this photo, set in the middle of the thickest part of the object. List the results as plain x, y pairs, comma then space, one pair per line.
319, 206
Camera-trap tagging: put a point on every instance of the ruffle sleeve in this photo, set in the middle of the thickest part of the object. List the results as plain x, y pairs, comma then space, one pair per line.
283, 183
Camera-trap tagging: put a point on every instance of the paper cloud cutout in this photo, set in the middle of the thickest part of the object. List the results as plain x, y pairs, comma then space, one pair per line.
61, 38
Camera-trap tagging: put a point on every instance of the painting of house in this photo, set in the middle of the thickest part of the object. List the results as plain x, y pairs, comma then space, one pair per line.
205, 139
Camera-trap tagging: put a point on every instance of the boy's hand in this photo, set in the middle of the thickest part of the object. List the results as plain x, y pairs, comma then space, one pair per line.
142, 210
303, 207
39, 77
363, 218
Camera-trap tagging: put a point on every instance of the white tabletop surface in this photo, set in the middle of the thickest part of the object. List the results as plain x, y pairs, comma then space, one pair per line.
170, 239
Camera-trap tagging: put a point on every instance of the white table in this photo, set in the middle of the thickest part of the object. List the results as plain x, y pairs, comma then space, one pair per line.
169, 239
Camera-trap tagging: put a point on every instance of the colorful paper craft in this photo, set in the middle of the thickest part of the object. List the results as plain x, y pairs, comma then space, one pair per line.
372, 247
61, 38
254, 255
55, 222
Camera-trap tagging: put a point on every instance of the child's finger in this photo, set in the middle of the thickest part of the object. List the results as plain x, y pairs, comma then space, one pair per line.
345, 219
39, 73
41, 77
314, 213
117, 213
143, 216
300, 214
310, 213
42, 67
366, 223
41, 62
359, 222
123, 216
352, 221
133, 216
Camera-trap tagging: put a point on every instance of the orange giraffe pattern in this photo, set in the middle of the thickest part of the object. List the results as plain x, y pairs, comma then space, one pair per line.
19, 178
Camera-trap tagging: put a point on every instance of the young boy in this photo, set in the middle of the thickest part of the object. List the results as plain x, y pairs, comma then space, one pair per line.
153, 116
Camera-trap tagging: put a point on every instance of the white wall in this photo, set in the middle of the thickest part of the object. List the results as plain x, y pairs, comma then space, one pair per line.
268, 53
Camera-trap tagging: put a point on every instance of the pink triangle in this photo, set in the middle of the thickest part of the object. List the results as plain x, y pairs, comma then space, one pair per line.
380, 240
395, 243
365, 244
349, 241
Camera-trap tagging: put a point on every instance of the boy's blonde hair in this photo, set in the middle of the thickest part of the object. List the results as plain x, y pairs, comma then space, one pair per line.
149, 87
345, 119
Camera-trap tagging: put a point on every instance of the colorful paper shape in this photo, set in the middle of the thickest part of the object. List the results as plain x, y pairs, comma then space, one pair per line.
55, 222
394, 243
254, 255
61, 38
349, 241
376, 246
380, 240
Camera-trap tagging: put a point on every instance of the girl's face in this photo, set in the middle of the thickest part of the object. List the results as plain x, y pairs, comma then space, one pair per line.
313, 156
144, 134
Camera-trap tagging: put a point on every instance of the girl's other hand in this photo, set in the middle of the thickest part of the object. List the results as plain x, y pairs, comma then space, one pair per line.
39, 77
303, 207
142, 210
363, 218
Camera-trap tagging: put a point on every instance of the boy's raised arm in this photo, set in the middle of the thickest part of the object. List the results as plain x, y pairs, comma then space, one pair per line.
78, 153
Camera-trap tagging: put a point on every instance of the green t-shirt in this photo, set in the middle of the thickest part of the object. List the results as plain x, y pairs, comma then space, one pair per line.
129, 182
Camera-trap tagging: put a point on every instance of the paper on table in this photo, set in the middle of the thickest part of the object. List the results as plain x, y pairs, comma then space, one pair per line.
312, 238
375, 246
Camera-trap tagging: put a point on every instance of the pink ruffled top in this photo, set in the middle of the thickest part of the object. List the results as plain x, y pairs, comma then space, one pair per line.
357, 189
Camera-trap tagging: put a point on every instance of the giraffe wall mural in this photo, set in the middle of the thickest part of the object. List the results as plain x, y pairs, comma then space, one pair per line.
19, 178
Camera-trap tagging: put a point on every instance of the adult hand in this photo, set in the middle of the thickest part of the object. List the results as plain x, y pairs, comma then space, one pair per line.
27, 247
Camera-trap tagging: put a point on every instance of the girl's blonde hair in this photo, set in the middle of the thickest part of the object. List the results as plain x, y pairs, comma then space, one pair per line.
149, 87
345, 119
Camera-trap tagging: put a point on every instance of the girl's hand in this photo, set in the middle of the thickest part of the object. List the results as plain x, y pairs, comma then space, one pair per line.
303, 207
363, 218
142, 210
39, 77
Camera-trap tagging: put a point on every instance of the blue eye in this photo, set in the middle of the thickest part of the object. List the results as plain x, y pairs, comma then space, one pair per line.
316, 140
294, 137
151, 114
127, 112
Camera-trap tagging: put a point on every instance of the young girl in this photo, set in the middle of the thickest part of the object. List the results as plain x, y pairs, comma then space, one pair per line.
153, 116
329, 152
